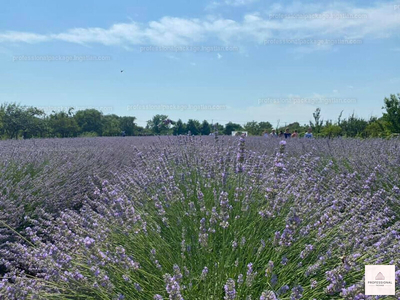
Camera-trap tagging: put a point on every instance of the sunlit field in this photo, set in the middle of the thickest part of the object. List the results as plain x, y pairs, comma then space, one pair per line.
193, 217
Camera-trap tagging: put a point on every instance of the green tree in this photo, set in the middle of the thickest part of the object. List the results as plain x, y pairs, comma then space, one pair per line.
140, 131
294, 126
392, 114
375, 129
205, 128
128, 125
252, 128
232, 127
331, 130
89, 120
18, 119
33, 124
111, 125
2, 112
63, 124
193, 126
317, 124
179, 128
264, 126
218, 127
36, 127
340, 118
158, 125
353, 126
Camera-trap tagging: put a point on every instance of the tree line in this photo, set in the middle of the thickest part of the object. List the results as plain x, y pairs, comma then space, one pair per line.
18, 121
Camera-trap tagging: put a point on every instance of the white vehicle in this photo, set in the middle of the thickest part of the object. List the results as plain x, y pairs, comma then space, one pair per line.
236, 133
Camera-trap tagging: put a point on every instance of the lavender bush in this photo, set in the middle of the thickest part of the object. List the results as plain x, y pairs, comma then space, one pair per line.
196, 217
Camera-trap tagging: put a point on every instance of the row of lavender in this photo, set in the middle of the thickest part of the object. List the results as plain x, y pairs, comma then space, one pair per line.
196, 218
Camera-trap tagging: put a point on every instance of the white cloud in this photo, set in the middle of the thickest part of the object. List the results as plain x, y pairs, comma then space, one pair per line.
117, 34
239, 2
172, 57
311, 49
174, 31
25, 37
381, 22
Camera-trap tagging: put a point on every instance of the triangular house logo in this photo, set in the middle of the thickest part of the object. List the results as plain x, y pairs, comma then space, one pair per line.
380, 280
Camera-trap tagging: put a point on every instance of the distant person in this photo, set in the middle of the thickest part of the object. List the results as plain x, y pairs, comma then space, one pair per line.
281, 134
273, 133
287, 133
309, 133
266, 134
123, 133
295, 134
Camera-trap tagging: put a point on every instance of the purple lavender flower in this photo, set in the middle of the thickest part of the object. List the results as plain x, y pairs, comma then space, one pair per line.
230, 291
240, 280
297, 293
137, 287
204, 273
225, 207
284, 289
203, 235
268, 295
250, 274
172, 287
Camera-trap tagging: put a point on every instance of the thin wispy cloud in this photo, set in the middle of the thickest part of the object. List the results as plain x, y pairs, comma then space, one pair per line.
379, 21
239, 2
172, 57
22, 37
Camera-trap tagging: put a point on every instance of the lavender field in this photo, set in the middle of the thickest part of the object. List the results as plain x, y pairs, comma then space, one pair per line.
197, 217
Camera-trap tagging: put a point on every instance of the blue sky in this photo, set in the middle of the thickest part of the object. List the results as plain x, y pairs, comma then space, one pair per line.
246, 78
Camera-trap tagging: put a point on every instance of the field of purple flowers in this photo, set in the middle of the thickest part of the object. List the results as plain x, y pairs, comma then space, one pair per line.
196, 217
